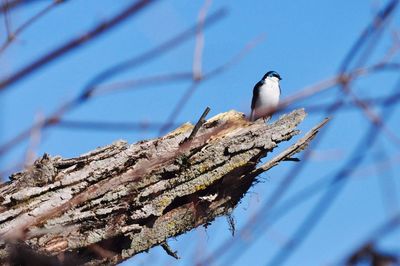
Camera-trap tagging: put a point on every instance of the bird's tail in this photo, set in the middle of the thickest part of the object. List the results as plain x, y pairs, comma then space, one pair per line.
252, 115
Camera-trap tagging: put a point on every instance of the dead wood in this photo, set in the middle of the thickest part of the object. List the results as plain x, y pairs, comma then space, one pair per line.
105, 206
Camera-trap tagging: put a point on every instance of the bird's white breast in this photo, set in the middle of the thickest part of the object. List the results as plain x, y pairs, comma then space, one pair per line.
268, 98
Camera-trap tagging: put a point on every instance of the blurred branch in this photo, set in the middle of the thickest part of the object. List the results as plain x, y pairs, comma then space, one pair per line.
337, 183
365, 46
12, 35
366, 250
150, 54
34, 141
9, 5
371, 115
387, 182
268, 215
199, 45
370, 255
110, 126
7, 25
212, 73
148, 192
380, 165
339, 180
142, 82
331, 82
374, 101
75, 43
89, 89
375, 26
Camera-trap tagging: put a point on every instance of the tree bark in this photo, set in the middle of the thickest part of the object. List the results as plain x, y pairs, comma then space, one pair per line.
105, 206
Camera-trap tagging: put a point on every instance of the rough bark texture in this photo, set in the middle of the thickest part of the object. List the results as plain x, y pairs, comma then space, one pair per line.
107, 205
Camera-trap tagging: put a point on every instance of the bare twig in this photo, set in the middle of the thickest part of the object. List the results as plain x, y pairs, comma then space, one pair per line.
198, 125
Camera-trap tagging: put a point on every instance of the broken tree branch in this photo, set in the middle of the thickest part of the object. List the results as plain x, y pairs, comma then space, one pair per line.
105, 206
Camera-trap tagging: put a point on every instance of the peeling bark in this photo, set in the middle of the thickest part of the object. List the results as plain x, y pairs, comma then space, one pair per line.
105, 206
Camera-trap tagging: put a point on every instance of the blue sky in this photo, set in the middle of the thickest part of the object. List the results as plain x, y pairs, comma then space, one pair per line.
305, 41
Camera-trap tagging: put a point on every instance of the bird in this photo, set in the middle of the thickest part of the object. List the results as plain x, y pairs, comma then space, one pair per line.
265, 96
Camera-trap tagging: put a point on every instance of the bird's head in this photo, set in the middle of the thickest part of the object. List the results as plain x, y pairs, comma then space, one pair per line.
273, 75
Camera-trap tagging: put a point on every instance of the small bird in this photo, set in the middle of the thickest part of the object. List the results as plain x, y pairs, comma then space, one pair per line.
265, 96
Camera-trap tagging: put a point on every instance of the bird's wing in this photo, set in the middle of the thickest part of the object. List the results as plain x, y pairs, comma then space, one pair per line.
256, 92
